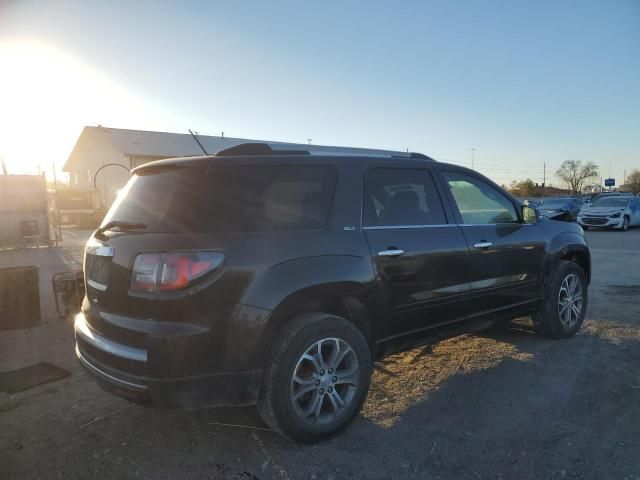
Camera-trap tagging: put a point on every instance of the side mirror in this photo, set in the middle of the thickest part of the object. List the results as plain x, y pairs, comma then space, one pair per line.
529, 214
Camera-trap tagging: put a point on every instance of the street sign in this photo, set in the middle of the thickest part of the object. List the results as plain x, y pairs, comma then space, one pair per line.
609, 182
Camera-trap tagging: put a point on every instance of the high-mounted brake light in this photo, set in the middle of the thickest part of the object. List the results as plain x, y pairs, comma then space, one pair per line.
171, 272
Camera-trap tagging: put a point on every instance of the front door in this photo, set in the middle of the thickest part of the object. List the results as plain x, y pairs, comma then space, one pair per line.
506, 255
634, 207
420, 259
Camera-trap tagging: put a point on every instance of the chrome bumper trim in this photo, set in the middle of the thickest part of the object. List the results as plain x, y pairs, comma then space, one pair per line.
102, 373
98, 341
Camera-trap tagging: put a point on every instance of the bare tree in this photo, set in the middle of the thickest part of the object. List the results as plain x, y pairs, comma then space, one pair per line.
633, 181
575, 173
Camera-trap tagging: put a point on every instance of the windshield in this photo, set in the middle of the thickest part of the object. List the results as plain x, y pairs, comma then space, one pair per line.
611, 202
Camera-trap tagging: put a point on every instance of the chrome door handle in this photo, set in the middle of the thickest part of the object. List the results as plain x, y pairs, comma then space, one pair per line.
482, 245
390, 253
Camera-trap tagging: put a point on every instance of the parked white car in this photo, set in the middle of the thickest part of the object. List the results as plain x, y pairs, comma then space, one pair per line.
620, 212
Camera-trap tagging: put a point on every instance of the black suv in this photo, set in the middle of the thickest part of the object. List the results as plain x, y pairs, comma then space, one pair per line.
275, 277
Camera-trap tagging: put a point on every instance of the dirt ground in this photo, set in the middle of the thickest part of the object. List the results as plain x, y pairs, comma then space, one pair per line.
503, 404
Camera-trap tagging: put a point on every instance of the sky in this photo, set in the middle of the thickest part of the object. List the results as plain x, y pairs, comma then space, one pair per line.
523, 83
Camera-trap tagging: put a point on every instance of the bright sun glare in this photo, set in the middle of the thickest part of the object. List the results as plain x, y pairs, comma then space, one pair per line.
46, 97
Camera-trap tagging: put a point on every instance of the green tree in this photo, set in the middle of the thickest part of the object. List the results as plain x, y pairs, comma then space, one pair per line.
524, 188
575, 173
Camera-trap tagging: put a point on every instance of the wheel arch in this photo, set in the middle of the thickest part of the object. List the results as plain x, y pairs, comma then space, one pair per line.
346, 305
582, 258
343, 286
314, 300
578, 253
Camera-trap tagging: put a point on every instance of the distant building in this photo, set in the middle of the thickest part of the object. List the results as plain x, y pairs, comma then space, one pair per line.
628, 187
593, 188
23, 210
98, 146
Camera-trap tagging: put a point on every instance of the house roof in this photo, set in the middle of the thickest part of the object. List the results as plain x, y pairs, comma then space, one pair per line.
145, 143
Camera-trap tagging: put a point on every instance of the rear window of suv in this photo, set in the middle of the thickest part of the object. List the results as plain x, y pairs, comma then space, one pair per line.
241, 198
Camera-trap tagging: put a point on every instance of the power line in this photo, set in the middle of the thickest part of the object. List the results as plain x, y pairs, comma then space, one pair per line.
488, 166
504, 174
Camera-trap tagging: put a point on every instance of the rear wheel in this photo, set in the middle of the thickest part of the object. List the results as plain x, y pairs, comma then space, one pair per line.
317, 379
565, 302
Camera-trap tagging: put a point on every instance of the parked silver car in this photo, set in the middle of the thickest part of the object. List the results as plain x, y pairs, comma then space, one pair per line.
619, 212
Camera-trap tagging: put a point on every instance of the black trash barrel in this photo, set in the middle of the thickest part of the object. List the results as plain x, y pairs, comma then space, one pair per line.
19, 298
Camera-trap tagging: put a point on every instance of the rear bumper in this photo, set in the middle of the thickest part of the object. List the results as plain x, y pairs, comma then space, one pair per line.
215, 389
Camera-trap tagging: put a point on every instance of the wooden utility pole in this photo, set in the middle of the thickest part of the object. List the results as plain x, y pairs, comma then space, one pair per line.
57, 227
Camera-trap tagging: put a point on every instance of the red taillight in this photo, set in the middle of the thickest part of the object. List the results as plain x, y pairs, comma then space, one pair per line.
170, 272
176, 273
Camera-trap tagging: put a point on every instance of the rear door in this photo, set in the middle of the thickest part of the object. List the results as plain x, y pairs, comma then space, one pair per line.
420, 258
506, 255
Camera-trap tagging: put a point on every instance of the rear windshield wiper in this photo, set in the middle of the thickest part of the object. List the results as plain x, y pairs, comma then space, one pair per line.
122, 226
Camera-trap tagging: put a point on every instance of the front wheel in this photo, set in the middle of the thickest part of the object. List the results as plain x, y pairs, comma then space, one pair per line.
317, 379
565, 302
625, 224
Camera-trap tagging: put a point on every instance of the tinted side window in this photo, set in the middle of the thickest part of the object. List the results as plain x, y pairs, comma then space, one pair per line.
395, 197
478, 202
255, 198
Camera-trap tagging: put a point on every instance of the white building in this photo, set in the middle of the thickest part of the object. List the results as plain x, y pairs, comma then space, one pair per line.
100, 146
592, 188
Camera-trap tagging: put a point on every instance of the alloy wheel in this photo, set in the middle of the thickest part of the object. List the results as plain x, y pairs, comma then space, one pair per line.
324, 381
570, 300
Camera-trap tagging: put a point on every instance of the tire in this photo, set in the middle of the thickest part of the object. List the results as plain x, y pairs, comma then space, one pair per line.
552, 320
625, 224
585, 228
284, 401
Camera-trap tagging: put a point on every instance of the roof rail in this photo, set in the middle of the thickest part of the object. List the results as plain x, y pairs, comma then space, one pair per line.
263, 148
415, 155
257, 149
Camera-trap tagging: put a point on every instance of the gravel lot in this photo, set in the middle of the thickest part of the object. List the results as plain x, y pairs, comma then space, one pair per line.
502, 404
